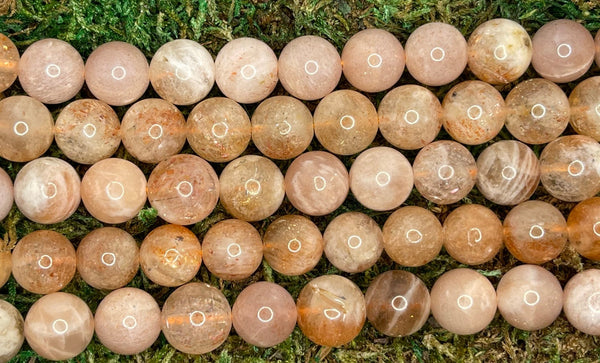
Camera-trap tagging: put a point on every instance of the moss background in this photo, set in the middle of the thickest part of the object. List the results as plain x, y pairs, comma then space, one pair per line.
149, 24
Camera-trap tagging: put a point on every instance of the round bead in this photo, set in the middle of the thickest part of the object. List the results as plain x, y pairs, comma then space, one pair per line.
246, 70
535, 232
309, 67
113, 190
108, 258
500, 51
51, 71
474, 112
569, 168
47, 190
252, 188
44, 262
537, 111
7, 193
373, 60
9, 57
353, 242
444, 172
563, 50
529, 297
218, 129
412, 236
398, 303
153, 129
87, 131
282, 127
59, 326
584, 228
582, 301
5, 267
117, 73
346, 122
264, 314
127, 321
182, 72
316, 183
463, 301
232, 249
293, 245
410, 117
585, 108
26, 128
508, 172
11, 325
184, 189
331, 310
436, 54
381, 178
196, 318
472, 234
170, 255
597, 43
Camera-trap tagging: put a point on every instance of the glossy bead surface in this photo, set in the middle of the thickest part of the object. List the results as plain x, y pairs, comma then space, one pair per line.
282, 127
444, 172
170, 255
26, 128
264, 314
87, 131
316, 183
535, 232
6, 194
570, 168
232, 249
584, 228
196, 318
9, 57
581, 302
398, 303
182, 72
117, 73
585, 108
474, 112
44, 262
463, 301
108, 258
331, 310
5, 267
529, 297
184, 189
47, 190
246, 70
51, 71
410, 117
218, 129
11, 326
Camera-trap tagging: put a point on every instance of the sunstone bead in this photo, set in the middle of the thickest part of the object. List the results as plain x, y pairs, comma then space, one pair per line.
9, 57
584, 228
584, 101
6, 194
582, 301
5, 266
11, 325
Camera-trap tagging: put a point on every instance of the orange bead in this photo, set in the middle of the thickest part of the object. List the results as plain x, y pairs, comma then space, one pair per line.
6, 194
9, 58
584, 101
12, 336
584, 228
5, 266
582, 301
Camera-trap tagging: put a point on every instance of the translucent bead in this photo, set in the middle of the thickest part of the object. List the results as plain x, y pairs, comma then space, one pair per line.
373, 60
51, 71
184, 189
11, 324
196, 318
584, 228
508, 172
9, 58
535, 232
246, 70
5, 267
463, 301
569, 168
26, 128
282, 127
582, 301
346, 122
170, 255
331, 310
87, 131
410, 117
182, 72
538, 111
585, 108
218, 129
47, 190
500, 51
444, 172
44, 262
398, 303
6, 194
309, 67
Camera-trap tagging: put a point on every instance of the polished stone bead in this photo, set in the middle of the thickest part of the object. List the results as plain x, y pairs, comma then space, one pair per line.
9, 58
6, 194
582, 301
584, 228
11, 326
584, 101
5, 266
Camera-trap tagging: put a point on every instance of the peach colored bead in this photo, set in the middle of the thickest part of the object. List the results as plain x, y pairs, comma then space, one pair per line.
5, 266
584, 228
581, 302
585, 108
11, 325
9, 58
6, 194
